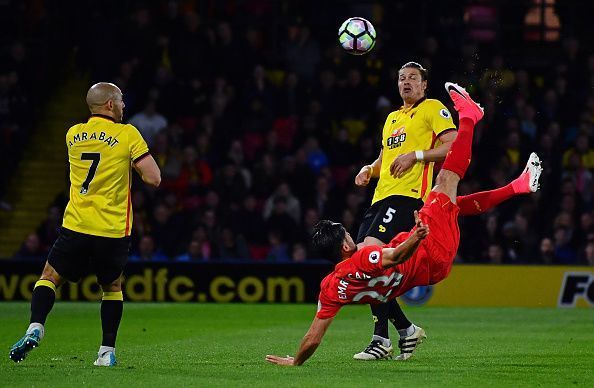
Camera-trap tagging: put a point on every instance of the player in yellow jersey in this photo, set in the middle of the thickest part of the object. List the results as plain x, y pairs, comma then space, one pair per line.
413, 138
95, 231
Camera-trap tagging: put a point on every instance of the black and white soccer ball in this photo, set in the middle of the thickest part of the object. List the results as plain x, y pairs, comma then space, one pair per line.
357, 36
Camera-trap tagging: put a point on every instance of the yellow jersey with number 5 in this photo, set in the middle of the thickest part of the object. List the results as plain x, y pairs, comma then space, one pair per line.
100, 154
408, 130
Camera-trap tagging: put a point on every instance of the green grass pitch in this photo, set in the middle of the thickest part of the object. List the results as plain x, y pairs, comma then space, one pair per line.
224, 345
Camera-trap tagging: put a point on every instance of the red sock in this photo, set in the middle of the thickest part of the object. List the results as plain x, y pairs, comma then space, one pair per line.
458, 158
483, 201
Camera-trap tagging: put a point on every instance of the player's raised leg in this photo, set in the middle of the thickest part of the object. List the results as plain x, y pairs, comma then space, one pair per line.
483, 201
112, 307
458, 158
42, 301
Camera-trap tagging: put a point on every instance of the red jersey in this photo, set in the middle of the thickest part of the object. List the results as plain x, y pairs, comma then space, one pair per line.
361, 279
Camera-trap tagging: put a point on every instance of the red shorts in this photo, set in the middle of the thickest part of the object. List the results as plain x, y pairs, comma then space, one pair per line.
441, 245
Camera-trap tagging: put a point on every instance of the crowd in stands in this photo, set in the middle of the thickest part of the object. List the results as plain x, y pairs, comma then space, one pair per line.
259, 123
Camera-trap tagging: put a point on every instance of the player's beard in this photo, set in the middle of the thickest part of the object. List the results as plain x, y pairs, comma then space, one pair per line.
119, 115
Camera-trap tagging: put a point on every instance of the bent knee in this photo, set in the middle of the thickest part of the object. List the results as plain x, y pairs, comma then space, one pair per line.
114, 286
49, 273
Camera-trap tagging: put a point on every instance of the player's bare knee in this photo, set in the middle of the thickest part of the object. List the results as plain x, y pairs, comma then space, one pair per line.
49, 273
447, 183
114, 286
447, 179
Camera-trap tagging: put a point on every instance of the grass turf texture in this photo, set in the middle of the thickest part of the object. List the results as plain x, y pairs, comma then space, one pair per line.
225, 345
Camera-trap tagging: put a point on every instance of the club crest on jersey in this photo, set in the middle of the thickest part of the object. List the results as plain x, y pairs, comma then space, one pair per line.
395, 139
374, 257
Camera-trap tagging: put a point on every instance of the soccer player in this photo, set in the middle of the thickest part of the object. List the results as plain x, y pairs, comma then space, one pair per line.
97, 221
423, 256
415, 136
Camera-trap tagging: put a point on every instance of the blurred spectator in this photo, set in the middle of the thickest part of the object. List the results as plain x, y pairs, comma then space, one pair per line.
323, 198
280, 222
196, 252
299, 253
279, 250
149, 122
227, 52
310, 219
564, 253
303, 52
495, 254
248, 220
48, 230
231, 184
348, 221
580, 177
147, 251
31, 249
200, 247
581, 149
265, 176
195, 175
232, 246
293, 205
165, 231
547, 251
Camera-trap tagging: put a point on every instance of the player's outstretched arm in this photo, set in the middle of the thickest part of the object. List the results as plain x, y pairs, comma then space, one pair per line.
148, 170
309, 344
403, 252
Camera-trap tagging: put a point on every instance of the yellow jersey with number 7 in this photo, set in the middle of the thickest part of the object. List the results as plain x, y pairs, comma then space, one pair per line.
100, 154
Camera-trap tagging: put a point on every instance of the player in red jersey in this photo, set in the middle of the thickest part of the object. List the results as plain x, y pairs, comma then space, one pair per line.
423, 256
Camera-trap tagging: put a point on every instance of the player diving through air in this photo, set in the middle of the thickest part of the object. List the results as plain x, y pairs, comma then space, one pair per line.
423, 256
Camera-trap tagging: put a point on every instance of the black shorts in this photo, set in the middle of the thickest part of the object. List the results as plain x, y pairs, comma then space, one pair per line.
388, 217
76, 254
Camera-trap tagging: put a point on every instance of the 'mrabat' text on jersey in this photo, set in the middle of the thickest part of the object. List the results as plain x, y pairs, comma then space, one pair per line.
100, 154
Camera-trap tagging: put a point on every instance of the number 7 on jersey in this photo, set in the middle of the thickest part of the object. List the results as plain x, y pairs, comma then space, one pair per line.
94, 157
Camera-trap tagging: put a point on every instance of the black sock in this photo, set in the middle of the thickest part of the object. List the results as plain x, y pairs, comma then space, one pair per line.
380, 317
42, 301
396, 316
111, 315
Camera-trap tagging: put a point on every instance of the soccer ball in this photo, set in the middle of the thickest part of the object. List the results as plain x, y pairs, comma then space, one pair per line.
357, 36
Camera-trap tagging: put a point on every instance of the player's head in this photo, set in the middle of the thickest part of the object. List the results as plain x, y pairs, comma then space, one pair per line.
106, 98
331, 241
412, 82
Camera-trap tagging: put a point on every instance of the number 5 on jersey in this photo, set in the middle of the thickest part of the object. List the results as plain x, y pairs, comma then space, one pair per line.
94, 157
389, 214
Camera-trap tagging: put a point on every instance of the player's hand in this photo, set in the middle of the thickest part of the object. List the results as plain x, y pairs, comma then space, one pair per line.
363, 177
402, 164
422, 229
286, 361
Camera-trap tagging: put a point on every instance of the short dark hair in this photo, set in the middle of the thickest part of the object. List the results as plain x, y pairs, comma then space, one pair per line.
327, 240
419, 67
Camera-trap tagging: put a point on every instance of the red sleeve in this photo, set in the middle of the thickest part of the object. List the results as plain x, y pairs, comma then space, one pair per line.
327, 309
328, 304
368, 259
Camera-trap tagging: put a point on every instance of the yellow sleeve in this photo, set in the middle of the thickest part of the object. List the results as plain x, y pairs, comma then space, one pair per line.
440, 118
136, 143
